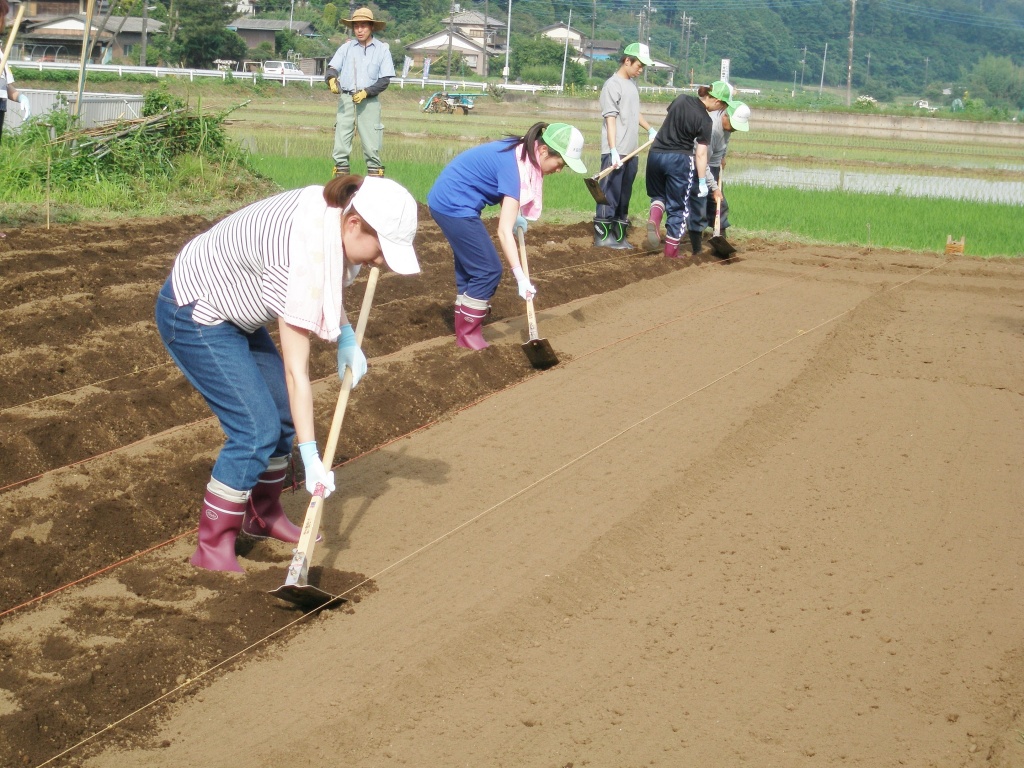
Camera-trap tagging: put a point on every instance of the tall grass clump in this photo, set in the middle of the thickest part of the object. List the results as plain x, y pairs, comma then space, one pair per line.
171, 160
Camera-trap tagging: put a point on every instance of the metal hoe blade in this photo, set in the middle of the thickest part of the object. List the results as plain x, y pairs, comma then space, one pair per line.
540, 354
538, 351
721, 247
594, 186
296, 589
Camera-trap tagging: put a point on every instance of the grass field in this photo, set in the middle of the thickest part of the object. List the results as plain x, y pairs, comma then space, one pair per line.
417, 146
288, 134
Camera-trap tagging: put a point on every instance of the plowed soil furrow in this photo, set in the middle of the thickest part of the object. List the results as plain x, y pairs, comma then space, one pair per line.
77, 661
53, 345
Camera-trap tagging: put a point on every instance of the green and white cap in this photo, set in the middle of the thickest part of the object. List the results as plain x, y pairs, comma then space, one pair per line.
722, 91
739, 116
567, 142
639, 51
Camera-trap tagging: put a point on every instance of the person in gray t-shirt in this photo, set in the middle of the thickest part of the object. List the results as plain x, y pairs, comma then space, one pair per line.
620, 110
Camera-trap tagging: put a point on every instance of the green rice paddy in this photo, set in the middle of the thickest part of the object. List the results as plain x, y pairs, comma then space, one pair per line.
417, 146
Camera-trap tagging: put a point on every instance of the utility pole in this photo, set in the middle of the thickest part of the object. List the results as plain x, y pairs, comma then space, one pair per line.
682, 35
565, 54
849, 61
869, 65
803, 62
823, 59
508, 41
689, 23
593, 31
926, 70
145, 32
647, 39
451, 27
487, 62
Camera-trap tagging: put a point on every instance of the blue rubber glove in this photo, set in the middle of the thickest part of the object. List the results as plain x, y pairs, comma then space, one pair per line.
616, 160
350, 355
316, 473
651, 133
520, 224
702, 187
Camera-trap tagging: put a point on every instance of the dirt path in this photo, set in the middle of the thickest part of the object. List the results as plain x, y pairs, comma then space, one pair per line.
762, 513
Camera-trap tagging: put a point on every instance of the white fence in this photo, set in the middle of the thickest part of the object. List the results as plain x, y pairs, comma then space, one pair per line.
220, 74
316, 80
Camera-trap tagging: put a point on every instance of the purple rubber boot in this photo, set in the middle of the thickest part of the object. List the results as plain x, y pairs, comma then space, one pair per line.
264, 516
219, 524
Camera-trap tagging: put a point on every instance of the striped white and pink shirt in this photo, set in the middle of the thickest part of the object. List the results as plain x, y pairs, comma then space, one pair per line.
279, 257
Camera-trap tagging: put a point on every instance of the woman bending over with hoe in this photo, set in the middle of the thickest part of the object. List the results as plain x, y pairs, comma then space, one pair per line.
287, 259
508, 173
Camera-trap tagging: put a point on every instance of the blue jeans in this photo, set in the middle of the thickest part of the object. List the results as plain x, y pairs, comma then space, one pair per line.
477, 264
241, 377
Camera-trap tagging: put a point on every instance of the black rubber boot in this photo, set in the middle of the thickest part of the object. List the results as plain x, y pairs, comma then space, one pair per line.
604, 233
620, 229
696, 241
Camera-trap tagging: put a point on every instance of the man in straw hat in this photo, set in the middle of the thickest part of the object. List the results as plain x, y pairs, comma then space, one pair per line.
359, 71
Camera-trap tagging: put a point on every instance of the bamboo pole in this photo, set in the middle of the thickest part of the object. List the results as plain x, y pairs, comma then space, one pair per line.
86, 34
10, 39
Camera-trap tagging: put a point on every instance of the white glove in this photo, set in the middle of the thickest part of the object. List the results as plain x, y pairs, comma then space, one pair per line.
526, 289
651, 133
26, 108
702, 187
616, 160
316, 473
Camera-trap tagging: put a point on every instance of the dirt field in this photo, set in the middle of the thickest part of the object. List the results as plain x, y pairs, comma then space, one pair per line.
765, 512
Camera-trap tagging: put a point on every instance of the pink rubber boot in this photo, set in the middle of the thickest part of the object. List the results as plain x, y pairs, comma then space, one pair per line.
654, 224
219, 524
468, 332
264, 516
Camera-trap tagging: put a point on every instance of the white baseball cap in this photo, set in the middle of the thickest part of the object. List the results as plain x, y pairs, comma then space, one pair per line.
388, 207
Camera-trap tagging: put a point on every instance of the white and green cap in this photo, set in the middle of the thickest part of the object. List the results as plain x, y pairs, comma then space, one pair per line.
567, 142
639, 51
722, 91
739, 116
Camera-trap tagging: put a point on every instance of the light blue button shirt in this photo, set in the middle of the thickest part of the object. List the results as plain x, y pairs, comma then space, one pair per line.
361, 66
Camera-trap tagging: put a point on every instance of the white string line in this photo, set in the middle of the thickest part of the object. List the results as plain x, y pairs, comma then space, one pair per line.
470, 521
619, 434
184, 685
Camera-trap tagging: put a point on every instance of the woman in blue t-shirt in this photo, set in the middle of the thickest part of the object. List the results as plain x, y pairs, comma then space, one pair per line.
508, 173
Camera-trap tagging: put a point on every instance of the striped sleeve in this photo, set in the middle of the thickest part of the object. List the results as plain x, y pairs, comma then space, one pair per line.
237, 271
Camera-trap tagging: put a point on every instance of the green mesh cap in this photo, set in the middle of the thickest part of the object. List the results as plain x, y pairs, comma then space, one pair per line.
567, 142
